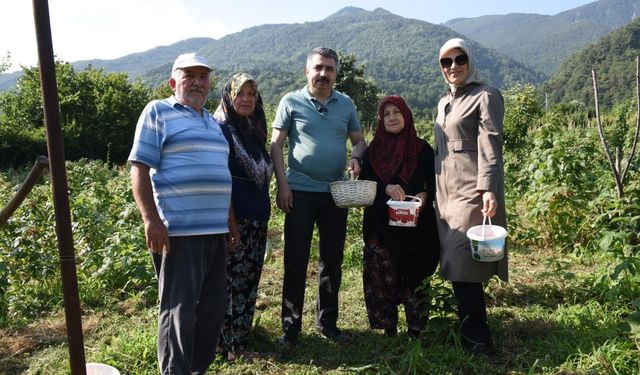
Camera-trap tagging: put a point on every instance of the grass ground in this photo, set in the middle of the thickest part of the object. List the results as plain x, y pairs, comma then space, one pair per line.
545, 321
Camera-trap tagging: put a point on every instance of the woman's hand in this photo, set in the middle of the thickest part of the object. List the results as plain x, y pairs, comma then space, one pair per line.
423, 196
489, 203
233, 237
395, 192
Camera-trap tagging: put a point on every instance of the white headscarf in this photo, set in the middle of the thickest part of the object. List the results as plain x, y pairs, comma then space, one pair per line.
472, 75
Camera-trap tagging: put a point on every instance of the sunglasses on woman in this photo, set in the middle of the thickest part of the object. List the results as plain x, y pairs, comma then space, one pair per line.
448, 61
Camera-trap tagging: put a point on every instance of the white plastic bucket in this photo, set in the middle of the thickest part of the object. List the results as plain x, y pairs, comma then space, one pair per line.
487, 241
404, 213
101, 369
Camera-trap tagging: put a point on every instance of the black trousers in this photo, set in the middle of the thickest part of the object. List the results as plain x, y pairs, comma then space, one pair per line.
472, 311
192, 282
311, 209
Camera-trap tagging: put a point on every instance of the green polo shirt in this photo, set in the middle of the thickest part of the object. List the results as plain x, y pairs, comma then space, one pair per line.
317, 137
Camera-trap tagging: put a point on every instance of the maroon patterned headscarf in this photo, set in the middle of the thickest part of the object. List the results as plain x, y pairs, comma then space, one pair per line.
395, 153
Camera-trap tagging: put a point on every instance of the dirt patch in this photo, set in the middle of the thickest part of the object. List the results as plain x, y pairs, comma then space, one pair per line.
15, 342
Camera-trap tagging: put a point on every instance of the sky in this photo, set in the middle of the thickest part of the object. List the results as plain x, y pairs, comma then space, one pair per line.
108, 29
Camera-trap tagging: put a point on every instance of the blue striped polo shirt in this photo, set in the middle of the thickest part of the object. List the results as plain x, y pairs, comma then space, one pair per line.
188, 156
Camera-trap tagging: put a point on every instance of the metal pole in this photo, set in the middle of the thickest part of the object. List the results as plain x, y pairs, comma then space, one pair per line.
59, 187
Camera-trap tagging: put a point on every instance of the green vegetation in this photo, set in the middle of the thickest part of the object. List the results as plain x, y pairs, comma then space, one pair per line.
613, 59
100, 110
98, 115
571, 306
5, 62
363, 90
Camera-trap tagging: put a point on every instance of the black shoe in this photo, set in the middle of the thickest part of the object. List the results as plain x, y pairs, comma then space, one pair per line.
415, 333
334, 334
288, 340
390, 332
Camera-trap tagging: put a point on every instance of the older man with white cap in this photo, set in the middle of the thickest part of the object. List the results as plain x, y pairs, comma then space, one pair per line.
182, 186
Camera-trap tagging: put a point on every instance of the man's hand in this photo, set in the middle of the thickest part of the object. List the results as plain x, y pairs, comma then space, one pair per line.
155, 231
353, 167
284, 199
157, 236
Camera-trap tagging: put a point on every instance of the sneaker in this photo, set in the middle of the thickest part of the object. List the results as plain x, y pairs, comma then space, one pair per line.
334, 334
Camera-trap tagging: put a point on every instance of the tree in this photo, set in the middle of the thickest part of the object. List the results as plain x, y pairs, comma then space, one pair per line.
521, 110
619, 172
5, 62
361, 89
98, 111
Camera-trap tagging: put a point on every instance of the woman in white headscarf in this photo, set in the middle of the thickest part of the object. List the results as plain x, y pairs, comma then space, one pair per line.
469, 185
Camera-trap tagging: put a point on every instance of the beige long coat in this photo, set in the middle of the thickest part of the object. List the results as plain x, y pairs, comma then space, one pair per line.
468, 136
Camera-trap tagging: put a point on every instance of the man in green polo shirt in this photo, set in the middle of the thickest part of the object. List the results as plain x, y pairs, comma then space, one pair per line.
318, 120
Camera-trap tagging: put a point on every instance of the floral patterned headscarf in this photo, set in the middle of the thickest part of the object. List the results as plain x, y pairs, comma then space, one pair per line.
249, 133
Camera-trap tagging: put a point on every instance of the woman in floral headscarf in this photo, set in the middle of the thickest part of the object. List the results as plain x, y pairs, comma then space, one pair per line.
242, 120
397, 259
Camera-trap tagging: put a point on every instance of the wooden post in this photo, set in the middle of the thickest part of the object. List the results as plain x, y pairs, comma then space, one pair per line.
24, 190
59, 187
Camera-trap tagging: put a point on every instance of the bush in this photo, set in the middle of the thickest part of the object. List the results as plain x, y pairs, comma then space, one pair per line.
112, 260
98, 115
521, 112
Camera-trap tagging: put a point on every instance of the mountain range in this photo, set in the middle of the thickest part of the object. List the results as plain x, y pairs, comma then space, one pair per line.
399, 53
543, 42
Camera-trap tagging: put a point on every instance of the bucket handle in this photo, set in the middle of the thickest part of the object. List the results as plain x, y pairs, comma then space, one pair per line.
413, 197
484, 221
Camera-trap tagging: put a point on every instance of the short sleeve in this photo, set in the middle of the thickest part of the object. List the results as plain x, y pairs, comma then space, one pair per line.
283, 114
149, 135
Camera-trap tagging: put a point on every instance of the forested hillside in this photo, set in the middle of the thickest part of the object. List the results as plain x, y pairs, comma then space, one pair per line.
613, 58
543, 42
401, 55
137, 64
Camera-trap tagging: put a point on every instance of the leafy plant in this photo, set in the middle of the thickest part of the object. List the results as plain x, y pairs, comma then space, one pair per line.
112, 260
522, 109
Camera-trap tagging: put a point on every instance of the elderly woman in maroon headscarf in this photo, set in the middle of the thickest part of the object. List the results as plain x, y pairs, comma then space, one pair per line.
397, 259
242, 120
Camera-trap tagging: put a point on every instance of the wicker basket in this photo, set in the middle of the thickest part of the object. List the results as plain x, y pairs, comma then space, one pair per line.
353, 193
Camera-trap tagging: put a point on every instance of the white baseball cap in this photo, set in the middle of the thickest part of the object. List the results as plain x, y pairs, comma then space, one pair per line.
187, 60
